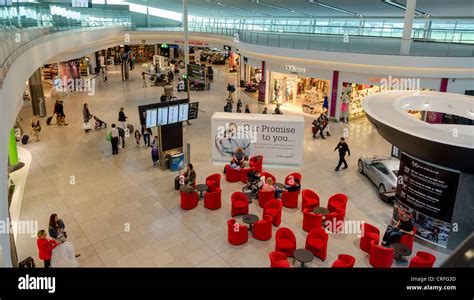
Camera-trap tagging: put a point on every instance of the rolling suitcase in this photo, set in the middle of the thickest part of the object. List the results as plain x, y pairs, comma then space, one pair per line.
176, 183
130, 128
48, 120
24, 139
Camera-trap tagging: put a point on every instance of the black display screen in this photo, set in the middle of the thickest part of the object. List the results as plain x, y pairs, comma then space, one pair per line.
171, 136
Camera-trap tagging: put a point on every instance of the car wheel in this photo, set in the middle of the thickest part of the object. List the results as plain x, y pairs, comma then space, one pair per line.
360, 167
382, 189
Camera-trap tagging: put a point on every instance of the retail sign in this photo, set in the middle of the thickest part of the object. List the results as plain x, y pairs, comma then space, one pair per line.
164, 46
294, 69
192, 43
279, 138
428, 192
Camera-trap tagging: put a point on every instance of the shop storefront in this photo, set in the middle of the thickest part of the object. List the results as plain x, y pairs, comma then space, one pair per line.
299, 90
353, 88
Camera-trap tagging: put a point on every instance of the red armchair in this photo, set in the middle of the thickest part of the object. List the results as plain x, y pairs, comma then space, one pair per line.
337, 201
422, 260
408, 239
278, 260
380, 257
264, 197
262, 230
243, 174
290, 199
273, 209
240, 204
237, 234
292, 176
369, 233
213, 182
310, 199
266, 175
232, 175
311, 220
212, 200
317, 243
256, 162
344, 261
189, 200
285, 241
334, 221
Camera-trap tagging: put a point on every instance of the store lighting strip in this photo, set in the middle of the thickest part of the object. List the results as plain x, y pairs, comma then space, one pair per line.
277, 7
334, 8
401, 6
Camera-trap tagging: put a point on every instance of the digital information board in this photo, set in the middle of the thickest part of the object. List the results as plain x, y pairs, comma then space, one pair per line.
151, 116
183, 112
162, 116
173, 112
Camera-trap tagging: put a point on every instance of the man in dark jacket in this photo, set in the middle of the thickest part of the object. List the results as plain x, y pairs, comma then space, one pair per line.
343, 149
122, 135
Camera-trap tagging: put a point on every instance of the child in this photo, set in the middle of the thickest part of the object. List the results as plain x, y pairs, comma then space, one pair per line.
138, 137
144, 79
45, 248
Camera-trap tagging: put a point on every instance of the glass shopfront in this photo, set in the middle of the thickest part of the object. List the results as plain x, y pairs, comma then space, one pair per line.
304, 93
351, 99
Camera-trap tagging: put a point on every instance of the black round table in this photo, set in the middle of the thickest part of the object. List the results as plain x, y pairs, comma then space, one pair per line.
201, 188
400, 250
303, 256
250, 219
281, 186
321, 211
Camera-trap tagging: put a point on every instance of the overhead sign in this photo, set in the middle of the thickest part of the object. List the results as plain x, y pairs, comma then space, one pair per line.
294, 69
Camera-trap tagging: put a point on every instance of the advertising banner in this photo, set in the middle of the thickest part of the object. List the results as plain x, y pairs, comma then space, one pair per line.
428, 192
279, 138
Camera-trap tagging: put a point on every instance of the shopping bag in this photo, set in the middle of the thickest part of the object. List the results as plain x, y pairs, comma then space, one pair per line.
109, 136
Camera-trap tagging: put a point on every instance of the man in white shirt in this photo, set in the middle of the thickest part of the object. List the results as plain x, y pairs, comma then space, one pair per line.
115, 138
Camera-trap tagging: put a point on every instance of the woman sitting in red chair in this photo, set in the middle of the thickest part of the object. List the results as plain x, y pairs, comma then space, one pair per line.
239, 157
190, 176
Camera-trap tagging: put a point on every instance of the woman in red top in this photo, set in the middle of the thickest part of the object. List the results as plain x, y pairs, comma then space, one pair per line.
45, 247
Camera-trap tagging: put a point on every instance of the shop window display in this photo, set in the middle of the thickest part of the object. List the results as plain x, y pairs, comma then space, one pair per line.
283, 90
351, 99
312, 91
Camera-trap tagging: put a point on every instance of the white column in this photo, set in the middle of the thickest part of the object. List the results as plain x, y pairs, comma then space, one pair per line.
185, 27
407, 27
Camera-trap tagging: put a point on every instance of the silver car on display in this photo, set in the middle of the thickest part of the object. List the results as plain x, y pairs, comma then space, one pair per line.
382, 171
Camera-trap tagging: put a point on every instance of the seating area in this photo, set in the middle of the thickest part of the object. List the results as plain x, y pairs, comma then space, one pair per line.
317, 222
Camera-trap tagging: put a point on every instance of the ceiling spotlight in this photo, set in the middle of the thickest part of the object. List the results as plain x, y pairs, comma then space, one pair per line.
334, 8
401, 6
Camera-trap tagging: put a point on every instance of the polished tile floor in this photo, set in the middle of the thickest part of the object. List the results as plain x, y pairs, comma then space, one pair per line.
100, 196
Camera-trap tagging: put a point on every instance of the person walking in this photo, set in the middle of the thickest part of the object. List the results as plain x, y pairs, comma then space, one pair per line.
343, 149
138, 137
146, 132
277, 110
247, 109
122, 118
121, 132
115, 138
154, 151
144, 80
45, 248
35, 127
239, 105
86, 115
325, 104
